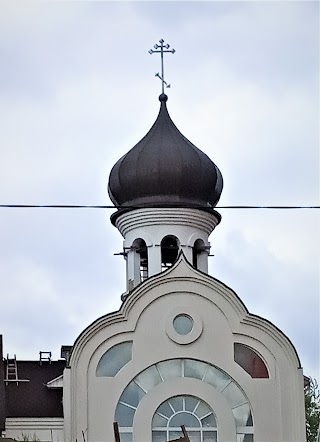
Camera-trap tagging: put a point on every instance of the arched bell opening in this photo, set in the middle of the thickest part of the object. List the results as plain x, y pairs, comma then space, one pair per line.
169, 251
140, 249
200, 255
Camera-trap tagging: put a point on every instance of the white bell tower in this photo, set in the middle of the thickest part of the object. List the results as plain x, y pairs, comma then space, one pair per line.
165, 189
154, 237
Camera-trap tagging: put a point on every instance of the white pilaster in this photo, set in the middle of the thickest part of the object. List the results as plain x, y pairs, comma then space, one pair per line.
154, 257
133, 268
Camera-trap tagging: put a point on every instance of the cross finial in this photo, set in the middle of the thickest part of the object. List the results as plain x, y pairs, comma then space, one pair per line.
162, 48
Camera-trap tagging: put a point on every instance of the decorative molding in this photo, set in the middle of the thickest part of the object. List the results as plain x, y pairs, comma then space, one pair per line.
34, 423
192, 277
196, 219
194, 334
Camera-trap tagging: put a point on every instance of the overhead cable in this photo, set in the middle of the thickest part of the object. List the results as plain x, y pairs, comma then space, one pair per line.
75, 206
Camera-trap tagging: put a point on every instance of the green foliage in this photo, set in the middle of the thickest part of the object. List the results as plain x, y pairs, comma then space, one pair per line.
312, 402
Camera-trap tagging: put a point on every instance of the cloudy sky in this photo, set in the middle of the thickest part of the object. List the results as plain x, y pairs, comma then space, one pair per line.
77, 90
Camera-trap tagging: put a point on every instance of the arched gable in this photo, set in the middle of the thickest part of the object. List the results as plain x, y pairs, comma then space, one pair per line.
146, 318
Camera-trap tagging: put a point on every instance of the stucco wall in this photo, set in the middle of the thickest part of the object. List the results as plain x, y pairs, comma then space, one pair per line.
277, 402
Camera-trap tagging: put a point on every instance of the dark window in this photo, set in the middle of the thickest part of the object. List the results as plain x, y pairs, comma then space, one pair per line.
250, 361
197, 249
169, 251
140, 247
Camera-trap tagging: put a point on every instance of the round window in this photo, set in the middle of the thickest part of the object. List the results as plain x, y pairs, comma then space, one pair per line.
183, 324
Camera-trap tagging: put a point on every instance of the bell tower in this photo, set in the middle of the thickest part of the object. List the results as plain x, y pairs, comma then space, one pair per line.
165, 189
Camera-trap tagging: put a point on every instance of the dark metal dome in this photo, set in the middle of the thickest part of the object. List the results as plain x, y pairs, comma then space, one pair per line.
165, 170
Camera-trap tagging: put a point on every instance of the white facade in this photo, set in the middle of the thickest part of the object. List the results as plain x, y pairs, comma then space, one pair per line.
157, 363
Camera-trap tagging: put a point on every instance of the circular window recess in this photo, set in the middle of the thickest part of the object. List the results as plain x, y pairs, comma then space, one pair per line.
183, 325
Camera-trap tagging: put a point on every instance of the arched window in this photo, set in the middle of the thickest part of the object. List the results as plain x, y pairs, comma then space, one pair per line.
250, 361
140, 247
114, 359
172, 369
197, 249
169, 251
190, 411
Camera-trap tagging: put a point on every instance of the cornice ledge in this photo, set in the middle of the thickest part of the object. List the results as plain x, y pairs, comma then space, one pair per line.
275, 333
92, 329
167, 216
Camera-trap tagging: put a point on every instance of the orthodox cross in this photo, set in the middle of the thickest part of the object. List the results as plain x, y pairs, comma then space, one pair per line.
162, 48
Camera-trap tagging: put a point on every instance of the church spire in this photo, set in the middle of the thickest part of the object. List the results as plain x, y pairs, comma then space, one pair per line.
165, 190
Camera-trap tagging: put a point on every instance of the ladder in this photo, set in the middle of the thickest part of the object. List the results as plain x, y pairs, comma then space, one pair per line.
185, 437
12, 370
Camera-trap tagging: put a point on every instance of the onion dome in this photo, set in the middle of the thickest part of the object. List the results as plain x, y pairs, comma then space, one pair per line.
164, 170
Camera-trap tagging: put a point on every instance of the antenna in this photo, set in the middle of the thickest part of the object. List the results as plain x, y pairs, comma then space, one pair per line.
162, 49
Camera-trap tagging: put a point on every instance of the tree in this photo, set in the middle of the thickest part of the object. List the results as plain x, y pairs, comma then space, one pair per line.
312, 402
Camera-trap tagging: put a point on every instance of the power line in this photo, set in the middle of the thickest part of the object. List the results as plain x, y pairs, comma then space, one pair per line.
68, 206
